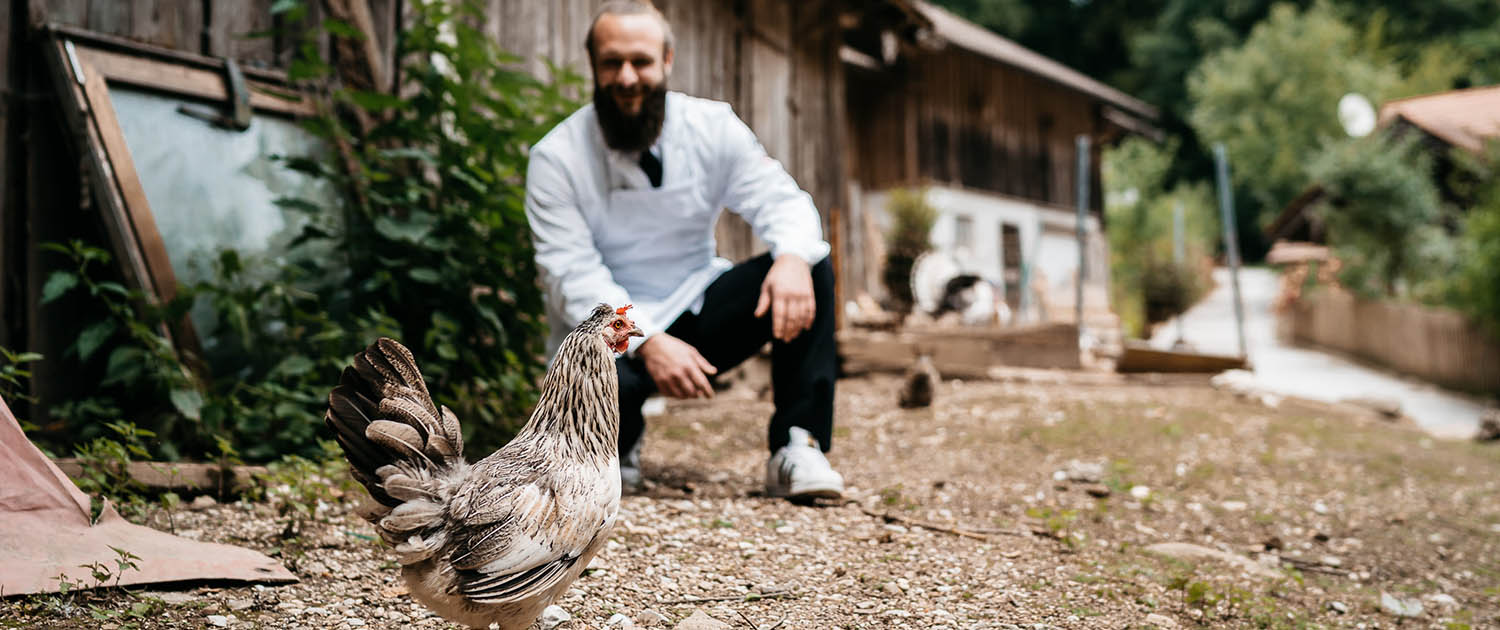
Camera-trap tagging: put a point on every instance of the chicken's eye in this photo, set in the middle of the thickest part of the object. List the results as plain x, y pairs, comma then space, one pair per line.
618, 325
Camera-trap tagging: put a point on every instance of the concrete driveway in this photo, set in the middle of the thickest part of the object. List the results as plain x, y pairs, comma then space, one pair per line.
1292, 371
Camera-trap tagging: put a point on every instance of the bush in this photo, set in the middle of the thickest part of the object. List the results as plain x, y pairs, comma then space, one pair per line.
1475, 287
910, 237
428, 244
1383, 211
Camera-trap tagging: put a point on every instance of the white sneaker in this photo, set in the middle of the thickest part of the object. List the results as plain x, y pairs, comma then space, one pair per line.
800, 471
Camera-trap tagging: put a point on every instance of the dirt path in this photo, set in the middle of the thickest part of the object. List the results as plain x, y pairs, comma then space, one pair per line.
1327, 508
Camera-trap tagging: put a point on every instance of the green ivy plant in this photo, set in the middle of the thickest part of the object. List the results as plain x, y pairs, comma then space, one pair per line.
427, 243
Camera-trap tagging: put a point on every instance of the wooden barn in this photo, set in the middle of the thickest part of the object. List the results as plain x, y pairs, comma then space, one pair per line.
854, 97
987, 128
66, 158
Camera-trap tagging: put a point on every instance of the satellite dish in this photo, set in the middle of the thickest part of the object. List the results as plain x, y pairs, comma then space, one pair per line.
1357, 115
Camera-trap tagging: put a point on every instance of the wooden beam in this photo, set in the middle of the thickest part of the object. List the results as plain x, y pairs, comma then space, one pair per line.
190, 81
191, 477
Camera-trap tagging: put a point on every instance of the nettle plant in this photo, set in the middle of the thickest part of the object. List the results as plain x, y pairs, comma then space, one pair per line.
427, 243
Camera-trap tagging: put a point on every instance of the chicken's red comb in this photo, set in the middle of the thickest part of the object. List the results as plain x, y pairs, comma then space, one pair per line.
622, 309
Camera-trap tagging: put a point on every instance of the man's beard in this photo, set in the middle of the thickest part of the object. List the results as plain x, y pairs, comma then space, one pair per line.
624, 132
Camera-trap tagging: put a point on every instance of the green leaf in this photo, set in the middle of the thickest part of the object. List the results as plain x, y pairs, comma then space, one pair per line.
374, 101
412, 230
57, 284
124, 365
111, 287
342, 29
93, 337
425, 274
295, 365
189, 402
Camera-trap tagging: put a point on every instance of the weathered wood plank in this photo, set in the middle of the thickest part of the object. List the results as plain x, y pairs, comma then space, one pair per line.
967, 353
9, 221
180, 476
230, 26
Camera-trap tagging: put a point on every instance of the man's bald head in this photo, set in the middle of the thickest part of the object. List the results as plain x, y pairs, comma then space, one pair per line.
621, 8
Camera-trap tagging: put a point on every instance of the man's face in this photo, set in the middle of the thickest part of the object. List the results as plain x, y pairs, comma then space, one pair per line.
629, 59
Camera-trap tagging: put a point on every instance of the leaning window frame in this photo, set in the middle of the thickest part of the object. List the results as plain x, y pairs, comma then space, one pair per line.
83, 65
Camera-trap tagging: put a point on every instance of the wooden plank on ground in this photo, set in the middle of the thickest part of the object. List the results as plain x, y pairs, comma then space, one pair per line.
1140, 358
961, 352
179, 476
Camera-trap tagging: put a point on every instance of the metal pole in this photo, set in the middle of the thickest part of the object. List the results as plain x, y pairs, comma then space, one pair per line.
1231, 239
1179, 253
1081, 191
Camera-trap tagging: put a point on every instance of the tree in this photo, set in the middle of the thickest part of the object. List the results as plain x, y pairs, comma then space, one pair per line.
1383, 213
1273, 100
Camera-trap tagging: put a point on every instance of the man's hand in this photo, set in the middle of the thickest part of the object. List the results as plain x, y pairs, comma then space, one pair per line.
677, 368
788, 293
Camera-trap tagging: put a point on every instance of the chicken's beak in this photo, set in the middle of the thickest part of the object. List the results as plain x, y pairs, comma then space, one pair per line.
635, 331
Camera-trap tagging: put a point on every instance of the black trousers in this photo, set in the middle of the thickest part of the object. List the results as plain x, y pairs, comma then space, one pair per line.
726, 332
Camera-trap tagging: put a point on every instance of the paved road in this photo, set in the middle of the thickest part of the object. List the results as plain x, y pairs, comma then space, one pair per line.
1286, 370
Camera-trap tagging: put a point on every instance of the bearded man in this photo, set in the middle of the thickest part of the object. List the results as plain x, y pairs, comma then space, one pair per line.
622, 198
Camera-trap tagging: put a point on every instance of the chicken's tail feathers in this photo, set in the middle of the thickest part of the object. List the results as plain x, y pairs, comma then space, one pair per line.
397, 440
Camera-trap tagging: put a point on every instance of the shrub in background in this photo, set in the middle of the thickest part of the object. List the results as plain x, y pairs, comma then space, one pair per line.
909, 237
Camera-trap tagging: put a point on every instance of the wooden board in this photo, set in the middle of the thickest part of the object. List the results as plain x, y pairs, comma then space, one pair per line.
966, 353
1139, 358
192, 477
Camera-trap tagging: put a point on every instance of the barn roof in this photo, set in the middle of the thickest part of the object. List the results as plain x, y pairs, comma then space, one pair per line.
979, 40
1462, 118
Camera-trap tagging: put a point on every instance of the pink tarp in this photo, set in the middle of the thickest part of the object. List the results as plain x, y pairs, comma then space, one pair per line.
45, 532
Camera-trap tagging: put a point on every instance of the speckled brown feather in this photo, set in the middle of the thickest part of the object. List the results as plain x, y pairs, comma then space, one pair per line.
496, 541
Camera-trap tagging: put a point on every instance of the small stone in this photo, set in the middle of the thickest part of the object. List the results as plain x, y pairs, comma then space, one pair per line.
618, 620
1400, 607
218, 621
1234, 506
1085, 472
554, 616
354, 622
202, 502
174, 598
891, 588
1436, 538
895, 612
1140, 492
1338, 607
1442, 600
1097, 490
1331, 561
1320, 507
240, 604
316, 610
649, 618
1161, 621
700, 620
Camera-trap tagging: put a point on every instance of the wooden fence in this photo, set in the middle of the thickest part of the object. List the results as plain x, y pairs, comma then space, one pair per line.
1436, 345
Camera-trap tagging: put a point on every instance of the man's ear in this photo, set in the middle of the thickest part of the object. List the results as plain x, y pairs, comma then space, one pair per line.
666, 63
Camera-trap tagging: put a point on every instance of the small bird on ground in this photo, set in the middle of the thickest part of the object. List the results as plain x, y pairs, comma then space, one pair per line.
921, 383
496, 541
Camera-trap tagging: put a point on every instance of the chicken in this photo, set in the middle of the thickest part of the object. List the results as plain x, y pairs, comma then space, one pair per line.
921, 383
496, 541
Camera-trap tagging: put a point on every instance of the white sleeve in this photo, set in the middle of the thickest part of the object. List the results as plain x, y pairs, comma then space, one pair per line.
571, 267
760, 190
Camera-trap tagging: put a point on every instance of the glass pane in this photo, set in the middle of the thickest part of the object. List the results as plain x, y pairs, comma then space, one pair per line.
212, 188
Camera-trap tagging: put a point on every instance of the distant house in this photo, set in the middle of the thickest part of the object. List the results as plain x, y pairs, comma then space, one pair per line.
1460, 119
988, 128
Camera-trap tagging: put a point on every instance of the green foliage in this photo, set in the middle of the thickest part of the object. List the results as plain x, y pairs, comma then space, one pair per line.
13, 374
1382, 213
909, 237
1475, 286
1272, 101
1146, 284
427, 244
433, 232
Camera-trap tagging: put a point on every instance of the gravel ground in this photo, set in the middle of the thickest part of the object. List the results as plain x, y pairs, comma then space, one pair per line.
1030, 502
